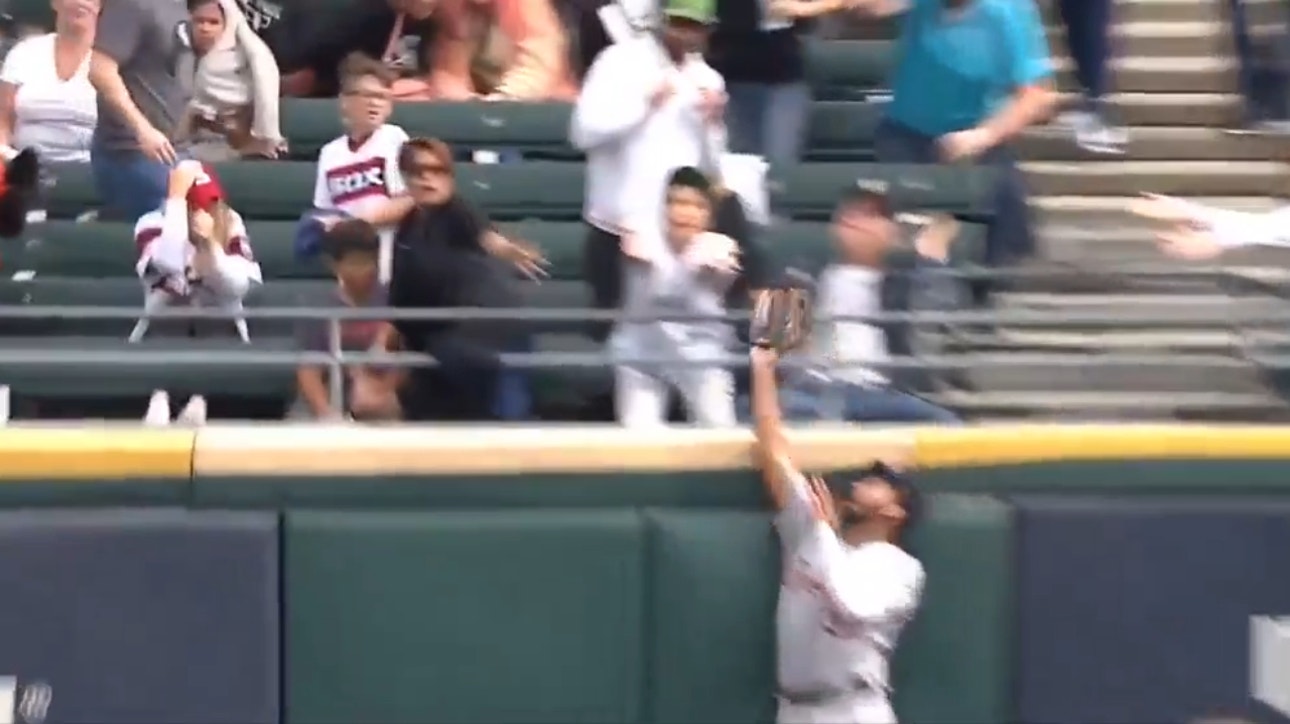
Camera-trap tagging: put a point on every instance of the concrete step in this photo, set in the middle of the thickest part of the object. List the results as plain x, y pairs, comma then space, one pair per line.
1186, 39
1184, 178
1054, 340
1210, 110
1173, 11
1117, 405
1101, 373
1161, 143
1111, 244
1112, 211
1190, 309
1161, 74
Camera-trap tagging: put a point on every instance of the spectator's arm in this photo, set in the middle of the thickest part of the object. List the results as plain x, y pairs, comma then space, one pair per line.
322, 197
116, 39
881, 8
1232, 229
1030, 71
541, 52
229, 270
804, 9
265, 80
399, 204
313, 390
310, 380
162, 239
610, 104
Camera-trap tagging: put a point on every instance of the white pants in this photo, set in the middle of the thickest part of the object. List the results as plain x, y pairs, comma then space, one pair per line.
641, 400
864, 707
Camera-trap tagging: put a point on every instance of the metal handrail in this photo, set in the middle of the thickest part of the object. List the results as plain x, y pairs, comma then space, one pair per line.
575, 314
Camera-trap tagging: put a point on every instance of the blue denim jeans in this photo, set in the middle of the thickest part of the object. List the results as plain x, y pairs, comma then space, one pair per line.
1262, 73
1010, 237
769, 120
853, 403
129, 183
512, 396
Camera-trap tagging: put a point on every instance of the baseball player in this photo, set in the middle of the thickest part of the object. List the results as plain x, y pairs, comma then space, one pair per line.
848, 588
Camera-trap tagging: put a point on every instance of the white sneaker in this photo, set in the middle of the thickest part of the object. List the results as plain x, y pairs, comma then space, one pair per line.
158, 414
194, 412
1094, 135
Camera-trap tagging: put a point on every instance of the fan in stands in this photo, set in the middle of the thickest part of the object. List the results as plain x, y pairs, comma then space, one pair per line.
193, 252
19, 180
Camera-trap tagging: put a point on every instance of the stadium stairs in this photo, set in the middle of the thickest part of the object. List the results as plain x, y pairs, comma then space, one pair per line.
1174, 85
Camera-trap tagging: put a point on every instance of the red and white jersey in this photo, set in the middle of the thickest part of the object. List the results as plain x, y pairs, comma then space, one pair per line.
359, 179
165, 267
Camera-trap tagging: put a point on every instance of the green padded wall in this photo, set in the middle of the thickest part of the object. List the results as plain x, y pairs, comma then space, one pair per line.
714, 579
464, 617
955, 662
667, 617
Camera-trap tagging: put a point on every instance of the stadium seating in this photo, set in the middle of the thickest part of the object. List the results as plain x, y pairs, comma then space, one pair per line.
105, 250
839, 130
282, 190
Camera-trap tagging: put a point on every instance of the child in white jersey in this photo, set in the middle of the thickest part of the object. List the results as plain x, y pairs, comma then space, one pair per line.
358, 173
677, 268
194, 251
848, 587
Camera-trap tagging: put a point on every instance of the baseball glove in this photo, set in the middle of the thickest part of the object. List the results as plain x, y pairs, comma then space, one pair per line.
781, 320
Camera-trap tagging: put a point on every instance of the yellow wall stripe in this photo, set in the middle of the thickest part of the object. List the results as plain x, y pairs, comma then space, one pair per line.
87, 453
1018, 444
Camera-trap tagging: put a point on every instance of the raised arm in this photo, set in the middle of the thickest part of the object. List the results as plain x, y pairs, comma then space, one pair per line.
266, 79
230, 270
162, 237
611, 102
787, 488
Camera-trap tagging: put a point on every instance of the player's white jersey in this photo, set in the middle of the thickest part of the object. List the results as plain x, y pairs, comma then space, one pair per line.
359, 178
165, 262
841, 608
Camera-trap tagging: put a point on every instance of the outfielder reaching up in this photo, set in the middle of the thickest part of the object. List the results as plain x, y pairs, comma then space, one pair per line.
848, 588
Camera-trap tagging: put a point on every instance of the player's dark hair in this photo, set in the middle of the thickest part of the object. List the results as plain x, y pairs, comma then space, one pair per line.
357, 66
689, 177
351, 236
910, 497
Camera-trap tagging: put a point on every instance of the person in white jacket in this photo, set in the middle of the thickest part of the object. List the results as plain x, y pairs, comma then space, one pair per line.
234, 109
193, 251
686, 271
649, 104
1196, 232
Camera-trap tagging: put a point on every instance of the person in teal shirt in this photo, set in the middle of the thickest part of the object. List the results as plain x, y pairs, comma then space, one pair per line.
971, 75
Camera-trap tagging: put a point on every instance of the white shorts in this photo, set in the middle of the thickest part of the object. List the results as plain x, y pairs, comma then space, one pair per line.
862, 707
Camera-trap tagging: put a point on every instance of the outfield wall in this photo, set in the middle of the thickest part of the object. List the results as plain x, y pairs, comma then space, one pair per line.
313, 574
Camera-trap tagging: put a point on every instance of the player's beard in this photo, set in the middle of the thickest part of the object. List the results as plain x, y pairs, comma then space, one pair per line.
851, 516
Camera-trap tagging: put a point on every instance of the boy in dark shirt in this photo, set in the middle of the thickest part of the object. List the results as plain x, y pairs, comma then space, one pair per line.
368, 393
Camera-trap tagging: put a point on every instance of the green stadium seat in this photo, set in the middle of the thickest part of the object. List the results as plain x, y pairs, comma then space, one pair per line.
847, 68
31, 12
839, 130
104, 250
537, 129
843, 130
79, 374
282, 190
811, 189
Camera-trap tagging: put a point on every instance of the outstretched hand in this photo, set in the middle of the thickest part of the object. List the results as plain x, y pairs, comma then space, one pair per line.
822, 501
